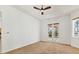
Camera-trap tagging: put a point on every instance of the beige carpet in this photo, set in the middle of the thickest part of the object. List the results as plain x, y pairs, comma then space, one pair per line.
45, 48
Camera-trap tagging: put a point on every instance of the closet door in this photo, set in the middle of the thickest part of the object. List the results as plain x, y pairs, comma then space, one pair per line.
0, 29
0, 32
10, 31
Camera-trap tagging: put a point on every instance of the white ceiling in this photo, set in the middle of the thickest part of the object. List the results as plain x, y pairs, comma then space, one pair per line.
55, 11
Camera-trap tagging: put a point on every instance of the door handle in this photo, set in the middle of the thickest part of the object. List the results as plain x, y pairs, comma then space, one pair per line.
8, 32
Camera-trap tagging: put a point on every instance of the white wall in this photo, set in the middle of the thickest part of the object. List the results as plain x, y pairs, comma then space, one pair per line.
19, 29
0, 21
64, 29
75, 40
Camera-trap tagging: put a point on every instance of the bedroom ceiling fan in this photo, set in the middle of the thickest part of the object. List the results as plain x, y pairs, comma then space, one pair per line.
42, 9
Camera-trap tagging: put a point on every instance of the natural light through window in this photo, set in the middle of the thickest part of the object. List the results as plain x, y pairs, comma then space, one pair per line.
75, 31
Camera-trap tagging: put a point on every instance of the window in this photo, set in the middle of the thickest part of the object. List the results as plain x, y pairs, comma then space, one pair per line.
75, 27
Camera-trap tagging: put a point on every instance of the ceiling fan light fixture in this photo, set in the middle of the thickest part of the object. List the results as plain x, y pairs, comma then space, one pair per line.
42, 9
42, 13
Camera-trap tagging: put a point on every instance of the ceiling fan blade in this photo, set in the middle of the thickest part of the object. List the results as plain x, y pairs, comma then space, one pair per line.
47, 8
36, 8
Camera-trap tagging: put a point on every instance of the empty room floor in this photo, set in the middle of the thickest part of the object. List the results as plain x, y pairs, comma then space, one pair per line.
46, 48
